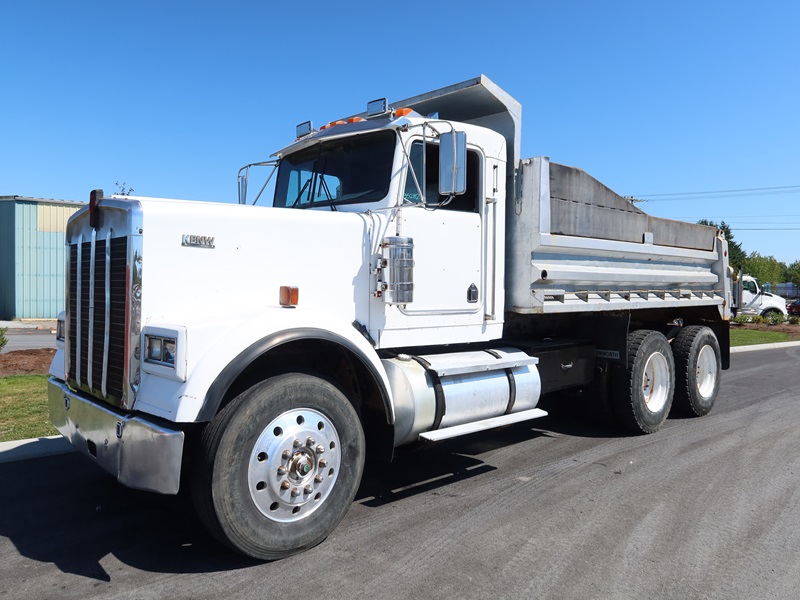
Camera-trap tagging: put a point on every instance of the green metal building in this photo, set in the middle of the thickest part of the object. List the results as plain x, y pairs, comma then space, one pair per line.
32, 256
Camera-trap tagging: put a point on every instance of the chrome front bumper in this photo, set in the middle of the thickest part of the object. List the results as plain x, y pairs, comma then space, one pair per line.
140, 454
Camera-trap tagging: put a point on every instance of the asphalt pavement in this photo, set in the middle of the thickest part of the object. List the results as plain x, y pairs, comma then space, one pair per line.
29, 334
560, 507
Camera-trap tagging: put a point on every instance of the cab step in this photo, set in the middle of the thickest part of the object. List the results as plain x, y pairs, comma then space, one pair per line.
475, 426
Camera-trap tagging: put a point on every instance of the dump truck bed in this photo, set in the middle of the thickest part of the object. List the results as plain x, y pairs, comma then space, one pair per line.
574, 245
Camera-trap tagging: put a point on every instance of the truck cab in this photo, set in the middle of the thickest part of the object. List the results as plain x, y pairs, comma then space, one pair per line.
755, 301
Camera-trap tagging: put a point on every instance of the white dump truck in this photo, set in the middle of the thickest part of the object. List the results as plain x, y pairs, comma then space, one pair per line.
749, 298
415, 279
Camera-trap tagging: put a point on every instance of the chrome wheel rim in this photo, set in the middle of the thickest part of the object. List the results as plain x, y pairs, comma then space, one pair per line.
706, 372
294, 465
655, 382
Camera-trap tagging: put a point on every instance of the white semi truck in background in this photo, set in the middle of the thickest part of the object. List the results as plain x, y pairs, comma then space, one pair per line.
749, 298
414, 279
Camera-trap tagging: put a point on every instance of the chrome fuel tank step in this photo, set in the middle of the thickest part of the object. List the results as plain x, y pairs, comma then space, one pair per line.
441, 391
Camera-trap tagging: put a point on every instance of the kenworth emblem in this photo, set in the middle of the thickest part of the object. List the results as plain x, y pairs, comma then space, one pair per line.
197, 241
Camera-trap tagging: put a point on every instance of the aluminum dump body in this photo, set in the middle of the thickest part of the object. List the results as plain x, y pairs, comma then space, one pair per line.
574, 245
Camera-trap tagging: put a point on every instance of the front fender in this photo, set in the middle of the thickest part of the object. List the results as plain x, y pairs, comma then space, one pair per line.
226, 355
232, 371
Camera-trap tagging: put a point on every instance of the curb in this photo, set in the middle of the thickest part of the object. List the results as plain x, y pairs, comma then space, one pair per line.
775, 346
34, 448
54, 445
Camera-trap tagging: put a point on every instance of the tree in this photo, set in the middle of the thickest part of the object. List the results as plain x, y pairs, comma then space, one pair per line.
737, 257
767, 269
122, 190
792, 273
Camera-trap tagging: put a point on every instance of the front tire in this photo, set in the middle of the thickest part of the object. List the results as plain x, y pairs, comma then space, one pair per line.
698, 368
279, 466
643, 390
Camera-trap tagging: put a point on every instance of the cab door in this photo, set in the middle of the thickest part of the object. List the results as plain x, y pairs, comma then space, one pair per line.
454, 241
751, 299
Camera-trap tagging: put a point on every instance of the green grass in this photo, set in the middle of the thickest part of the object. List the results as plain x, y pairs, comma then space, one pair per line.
749, 337
23, 408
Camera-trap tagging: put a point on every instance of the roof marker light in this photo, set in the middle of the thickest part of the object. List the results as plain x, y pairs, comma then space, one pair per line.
402, 112
289, 295
332, 124
355, 120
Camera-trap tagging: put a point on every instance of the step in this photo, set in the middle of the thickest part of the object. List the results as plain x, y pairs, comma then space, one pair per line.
475, 426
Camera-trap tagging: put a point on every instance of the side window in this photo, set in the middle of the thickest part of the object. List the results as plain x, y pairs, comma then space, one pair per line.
467, 202
411, 192
750, 286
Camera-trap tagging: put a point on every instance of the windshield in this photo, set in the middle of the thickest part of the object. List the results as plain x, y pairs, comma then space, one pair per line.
335, 172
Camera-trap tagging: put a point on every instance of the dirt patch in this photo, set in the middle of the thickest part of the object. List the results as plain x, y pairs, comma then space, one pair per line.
26, 362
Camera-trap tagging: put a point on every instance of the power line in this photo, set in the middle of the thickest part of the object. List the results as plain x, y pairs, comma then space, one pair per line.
742, 190
741, 217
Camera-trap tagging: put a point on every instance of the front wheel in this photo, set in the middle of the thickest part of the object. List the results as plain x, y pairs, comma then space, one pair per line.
280, 466
643, 390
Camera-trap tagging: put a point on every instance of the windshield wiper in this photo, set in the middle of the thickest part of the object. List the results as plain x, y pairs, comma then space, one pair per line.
324, 187
300, 193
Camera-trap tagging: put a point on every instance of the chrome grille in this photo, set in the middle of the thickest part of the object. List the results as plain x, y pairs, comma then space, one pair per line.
96, 308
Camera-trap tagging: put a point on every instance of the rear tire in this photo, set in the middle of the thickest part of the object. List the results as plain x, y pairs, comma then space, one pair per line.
279, 466
643, 390
698, 368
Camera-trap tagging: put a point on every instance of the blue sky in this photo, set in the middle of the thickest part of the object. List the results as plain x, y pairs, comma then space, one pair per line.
174, 97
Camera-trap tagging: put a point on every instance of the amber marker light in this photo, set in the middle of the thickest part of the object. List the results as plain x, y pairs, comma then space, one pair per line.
402, 112
289, 295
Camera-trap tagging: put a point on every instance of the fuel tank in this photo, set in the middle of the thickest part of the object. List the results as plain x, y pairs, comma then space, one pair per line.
437, 391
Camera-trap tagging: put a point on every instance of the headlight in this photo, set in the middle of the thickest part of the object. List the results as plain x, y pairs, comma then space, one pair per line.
160, 350
61, 327
164, 351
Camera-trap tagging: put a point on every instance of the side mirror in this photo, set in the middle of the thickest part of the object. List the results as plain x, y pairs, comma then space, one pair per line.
452, 163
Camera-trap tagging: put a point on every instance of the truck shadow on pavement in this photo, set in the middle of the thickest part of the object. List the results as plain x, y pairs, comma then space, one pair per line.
427, 467
65, 511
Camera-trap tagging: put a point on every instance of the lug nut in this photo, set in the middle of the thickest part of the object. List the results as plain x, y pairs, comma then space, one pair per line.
318, 479
285, 485
320, 449
308, 489
282, 470
295, 492
286, 455
310, 442
296, 443
323, 463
